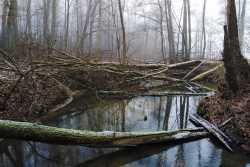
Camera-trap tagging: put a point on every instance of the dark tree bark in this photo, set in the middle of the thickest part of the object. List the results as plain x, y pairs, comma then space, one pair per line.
237, 67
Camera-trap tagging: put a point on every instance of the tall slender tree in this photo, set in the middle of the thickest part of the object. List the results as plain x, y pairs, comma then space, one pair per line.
53, 23
242, 23
12, 28
203, 33
28, 29
162, 31
46, 7
185, 32
189, 30
66, 24
171, 38
4, 22
124, 42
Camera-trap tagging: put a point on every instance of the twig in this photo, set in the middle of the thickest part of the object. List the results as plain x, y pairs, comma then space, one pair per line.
193, 70
63, 53
148, 75
226, 122
13, 88
11, 61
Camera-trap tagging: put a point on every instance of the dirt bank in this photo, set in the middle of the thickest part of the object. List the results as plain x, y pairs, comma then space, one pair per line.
29, 97
233, 114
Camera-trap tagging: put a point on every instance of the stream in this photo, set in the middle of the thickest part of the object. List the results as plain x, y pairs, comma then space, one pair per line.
87, 112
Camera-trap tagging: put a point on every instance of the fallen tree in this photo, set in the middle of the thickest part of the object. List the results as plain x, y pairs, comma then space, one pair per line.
132, 94
106, 139
213, 129
216, 70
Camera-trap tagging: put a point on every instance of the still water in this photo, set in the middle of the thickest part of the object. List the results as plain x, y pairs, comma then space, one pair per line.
90, 113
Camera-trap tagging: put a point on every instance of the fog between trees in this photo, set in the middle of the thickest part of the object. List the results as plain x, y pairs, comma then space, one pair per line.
159, 30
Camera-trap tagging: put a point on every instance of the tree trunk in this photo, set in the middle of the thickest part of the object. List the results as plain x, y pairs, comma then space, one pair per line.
162, 34
4, 22
171, 33
98, 35
53, 23
92, 21
189, 31
12, 29
203, 30
53, 135
242, 24
237, 68
81, 43
46, 5
66, 31
124, 42
184, 33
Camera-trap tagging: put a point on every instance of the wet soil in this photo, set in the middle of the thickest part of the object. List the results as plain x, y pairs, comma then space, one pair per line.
232, 115
31, 97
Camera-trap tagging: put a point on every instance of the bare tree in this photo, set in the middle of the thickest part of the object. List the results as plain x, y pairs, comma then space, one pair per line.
46, 7
184, 32
124, 43
4, 22
53, 22
242, 23
203, 34
91, 8
161, 32
98, 38
66, 24
171, 39
237, 68
189, 30
28, 21
12, 29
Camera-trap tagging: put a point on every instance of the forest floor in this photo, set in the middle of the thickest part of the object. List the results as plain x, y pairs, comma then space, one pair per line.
232, 116
32, 96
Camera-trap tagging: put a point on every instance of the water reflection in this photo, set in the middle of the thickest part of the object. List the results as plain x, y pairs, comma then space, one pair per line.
162, 113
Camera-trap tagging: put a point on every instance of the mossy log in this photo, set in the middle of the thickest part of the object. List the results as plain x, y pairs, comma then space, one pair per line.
106, 139
217, 69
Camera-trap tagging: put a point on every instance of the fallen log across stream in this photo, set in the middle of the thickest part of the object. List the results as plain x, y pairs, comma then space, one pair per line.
133, 94
106, 139
213, 129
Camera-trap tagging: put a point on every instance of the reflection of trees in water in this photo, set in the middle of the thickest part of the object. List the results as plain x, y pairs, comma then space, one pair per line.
167, 112
159, 114
162, 159
180, 160
181, 107
184, 109
123, 113
126, 156
9, 157
118, 116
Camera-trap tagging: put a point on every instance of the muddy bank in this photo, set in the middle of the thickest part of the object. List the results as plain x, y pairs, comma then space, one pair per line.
232, 116
29, 98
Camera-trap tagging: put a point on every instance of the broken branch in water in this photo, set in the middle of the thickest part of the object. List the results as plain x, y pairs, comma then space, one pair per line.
211, 128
